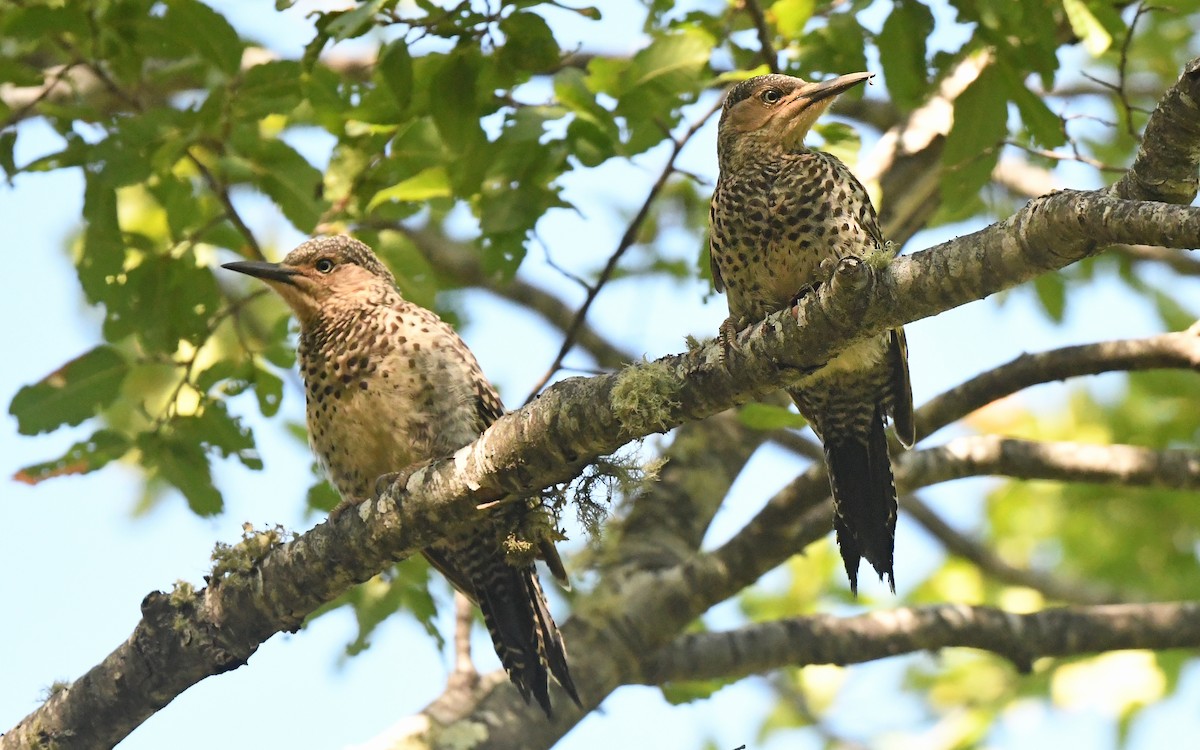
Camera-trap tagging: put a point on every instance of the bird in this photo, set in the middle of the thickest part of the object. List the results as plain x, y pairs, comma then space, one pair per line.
389, 384
782, 216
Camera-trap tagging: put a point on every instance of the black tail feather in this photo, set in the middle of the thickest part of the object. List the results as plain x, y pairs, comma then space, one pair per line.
524, 634
864, 501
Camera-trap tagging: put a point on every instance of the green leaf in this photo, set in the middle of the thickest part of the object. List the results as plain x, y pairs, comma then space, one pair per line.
530, 44
791, 16
8, 142
1038, 31
403, 589
1092, 23
396, 69
103, 253
592, 133
274, 87
902, 52
672, 61
72, 393
677, 693
1043, 125
83, 457
838, 46
206, 31
352, 23
758, 416
428, 183
163, 300
652, 87
322, 496
284, 176
452, 101
214, 428
972, 146
45, 22
1051, 290
268, 387
182, 463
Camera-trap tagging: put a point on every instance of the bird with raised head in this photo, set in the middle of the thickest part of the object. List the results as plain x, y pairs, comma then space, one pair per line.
782, 216
388, 385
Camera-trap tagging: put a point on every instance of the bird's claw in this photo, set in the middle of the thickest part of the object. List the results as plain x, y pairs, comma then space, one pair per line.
341, 508
727, 336
386, 481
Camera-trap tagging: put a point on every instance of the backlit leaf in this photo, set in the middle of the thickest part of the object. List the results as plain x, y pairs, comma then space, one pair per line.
428, 183
72, 393
82, 457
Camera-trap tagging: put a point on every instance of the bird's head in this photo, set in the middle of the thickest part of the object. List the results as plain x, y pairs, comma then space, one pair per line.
766, 113
323, 274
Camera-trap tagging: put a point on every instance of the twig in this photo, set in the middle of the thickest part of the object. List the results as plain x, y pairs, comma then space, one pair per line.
766, 48
464, 677
462, 263
1177, 260
1076, 156
1122, 66
222, 193
627, 240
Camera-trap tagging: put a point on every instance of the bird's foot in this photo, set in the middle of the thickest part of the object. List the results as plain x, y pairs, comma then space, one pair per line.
341, 508
727, 336
387, 481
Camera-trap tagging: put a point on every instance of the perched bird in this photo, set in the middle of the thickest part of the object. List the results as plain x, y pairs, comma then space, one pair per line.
781, 216
388, 385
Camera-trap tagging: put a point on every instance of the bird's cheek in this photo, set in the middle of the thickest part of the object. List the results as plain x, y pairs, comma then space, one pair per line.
299, 299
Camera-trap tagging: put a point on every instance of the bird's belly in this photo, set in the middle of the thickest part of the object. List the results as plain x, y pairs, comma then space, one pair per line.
391, 424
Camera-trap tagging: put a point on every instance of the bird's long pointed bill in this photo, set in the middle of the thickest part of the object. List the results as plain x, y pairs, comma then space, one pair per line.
262, 270
809, 101
815, 92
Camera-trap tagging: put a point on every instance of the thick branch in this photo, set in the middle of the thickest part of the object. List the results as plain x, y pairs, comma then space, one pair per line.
1165, 166
1168, 350
801, 513
980, 455
1020, 638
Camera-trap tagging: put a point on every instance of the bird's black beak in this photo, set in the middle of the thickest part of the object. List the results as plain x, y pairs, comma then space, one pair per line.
265, 271
815, 92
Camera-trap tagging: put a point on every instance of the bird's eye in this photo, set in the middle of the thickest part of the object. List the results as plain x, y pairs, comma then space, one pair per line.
324, 265
770, 96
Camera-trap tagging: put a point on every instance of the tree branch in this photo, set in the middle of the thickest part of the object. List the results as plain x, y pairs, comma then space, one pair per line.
766, 47
1168, 350
1165, 166
979, 455
984, 558
570, 424
626, 242
1020, 638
